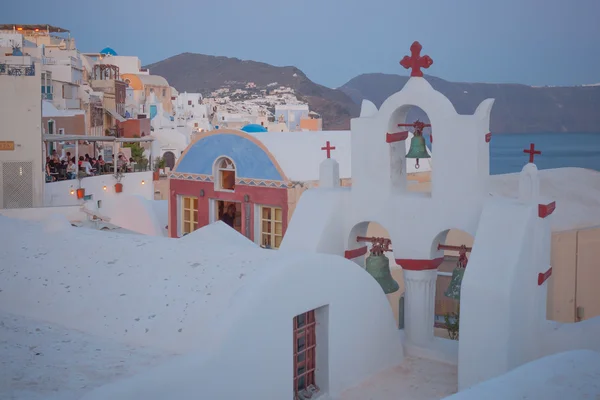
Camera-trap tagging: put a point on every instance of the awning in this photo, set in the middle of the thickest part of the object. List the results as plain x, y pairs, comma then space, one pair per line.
115, 114
82, 138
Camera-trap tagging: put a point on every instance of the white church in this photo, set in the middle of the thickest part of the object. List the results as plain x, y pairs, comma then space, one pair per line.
214, 316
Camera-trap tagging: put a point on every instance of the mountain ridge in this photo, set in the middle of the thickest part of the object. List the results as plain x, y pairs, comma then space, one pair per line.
518, 108
193, 72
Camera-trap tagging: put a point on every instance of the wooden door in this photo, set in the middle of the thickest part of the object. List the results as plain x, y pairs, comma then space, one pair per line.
588, 273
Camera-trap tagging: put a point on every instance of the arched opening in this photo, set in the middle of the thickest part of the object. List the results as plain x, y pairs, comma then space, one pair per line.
362, 250
409, 134
169, 158
455, 246
224, 174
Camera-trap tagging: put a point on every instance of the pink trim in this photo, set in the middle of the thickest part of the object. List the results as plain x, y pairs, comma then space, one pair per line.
350, 254
546, 209
544, 277
419, 265
396, 137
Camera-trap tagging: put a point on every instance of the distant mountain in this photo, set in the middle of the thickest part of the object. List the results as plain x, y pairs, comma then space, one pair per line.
202, 73
518, 108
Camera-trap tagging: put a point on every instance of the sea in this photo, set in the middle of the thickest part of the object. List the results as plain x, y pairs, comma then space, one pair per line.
559, 150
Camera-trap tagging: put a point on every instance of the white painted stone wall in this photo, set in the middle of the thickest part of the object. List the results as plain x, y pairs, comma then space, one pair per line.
59, 193
252, 344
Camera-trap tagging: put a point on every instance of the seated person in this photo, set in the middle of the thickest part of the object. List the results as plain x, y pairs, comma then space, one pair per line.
71, 170
229, 216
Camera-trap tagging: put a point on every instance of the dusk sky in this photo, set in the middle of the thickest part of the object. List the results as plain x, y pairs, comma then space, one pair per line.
535, 42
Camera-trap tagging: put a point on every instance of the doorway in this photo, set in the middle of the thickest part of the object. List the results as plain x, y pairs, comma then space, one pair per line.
221, 210
169, 158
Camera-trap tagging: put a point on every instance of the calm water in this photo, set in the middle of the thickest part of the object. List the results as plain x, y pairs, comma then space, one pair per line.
558, 150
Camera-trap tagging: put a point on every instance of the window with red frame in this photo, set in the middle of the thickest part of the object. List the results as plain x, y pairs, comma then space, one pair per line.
304, 354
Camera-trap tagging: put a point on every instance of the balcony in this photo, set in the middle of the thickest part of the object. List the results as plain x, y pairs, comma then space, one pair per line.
71, 61
47, 96
17, 70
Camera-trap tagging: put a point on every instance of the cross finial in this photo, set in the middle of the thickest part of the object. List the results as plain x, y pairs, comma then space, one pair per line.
328, 148
416, 61
532, 152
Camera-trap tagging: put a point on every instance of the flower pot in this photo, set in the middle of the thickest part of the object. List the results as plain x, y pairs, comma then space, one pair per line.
80, 193
156, 175
118, 187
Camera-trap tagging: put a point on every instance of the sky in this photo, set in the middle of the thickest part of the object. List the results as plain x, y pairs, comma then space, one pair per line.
534, 42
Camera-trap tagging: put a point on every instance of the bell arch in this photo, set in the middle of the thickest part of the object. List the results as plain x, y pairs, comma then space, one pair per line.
360, 250
454, 246
409, 133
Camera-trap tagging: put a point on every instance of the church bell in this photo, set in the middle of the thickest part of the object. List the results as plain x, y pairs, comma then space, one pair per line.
418, 148
378, 265
453, 290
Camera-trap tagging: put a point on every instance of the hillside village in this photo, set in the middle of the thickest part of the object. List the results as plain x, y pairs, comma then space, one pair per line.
105, 93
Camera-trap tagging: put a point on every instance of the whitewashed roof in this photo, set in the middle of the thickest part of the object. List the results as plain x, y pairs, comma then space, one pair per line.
575, 190
48, 110
133, 289
153, 80
299, 153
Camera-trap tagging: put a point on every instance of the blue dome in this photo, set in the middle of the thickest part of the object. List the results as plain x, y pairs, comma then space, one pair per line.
254, 128
108, 51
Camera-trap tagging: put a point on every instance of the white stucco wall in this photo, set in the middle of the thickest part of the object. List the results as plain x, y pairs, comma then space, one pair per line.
59, 193
570, 375
252, 344
20, 122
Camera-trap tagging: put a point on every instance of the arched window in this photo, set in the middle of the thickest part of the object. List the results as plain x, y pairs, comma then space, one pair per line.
224, 174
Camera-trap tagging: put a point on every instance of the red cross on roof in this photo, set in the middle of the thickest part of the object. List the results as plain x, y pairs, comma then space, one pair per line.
532, 152
328, 148
416, 61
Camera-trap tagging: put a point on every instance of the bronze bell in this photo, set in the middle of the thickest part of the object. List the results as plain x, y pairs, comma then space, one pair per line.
418, 148
453, 290
378, 265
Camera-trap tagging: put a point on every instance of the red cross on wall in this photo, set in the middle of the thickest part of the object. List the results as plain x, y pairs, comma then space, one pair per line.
416, 61
328, 148
532, 152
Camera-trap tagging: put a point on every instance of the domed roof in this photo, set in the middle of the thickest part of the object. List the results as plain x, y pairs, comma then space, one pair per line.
254, 128
108, 51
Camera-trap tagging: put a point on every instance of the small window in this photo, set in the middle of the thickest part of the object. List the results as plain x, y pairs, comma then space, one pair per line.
195, 124
305, 343
223, 118
189, 102
164, 92
199, 100
225, 174
189, 214
271, 227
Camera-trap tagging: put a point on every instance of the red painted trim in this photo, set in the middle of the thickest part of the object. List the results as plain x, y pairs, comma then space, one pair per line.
488, 137
350, 254
396, 137
419, 265
276, 197
546, 209
544, 277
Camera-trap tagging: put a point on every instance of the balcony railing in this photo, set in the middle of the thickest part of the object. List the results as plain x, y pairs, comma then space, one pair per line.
47, 96
17, 70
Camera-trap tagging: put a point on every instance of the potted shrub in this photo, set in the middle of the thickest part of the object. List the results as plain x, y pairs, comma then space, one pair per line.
80, 190
118, 186
159, 164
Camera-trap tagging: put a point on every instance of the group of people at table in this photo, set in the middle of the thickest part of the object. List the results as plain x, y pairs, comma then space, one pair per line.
65, 167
